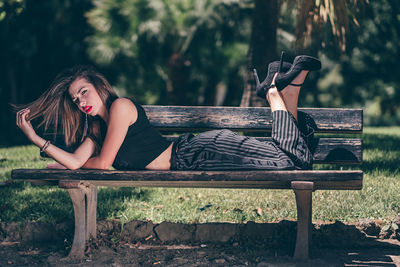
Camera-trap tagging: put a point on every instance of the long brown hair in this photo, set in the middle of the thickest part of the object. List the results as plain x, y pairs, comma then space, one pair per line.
56, 105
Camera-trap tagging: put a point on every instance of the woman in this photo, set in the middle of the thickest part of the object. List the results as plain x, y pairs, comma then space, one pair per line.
83, 101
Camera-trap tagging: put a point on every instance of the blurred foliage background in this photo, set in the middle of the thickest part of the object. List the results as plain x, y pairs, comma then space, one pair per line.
187, 52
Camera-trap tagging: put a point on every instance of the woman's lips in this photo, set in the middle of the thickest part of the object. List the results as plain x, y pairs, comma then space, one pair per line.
88, 109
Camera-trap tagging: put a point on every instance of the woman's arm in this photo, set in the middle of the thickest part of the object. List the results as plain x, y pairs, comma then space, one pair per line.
69, 160
73, 160
122, 114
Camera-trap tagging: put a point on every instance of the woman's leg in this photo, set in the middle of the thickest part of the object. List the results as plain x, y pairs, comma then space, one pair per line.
287, 99
285, 128
275, 99
290, 93
225, 150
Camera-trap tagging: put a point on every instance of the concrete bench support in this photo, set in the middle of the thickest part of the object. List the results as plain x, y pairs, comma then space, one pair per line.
84, 200
303, 192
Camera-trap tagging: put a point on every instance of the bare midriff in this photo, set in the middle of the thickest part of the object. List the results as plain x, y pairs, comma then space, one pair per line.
163, 161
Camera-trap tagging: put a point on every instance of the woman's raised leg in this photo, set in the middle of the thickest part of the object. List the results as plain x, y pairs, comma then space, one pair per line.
287, 99
285, 131
275, 99
290, 93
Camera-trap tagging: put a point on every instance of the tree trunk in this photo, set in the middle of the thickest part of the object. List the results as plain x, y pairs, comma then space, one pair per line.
262, 49
178, 73
13, 86
304, 25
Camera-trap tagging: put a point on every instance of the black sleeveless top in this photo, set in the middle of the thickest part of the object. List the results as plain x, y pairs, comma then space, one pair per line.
142, 144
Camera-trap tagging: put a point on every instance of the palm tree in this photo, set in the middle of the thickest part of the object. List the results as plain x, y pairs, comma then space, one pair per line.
313, 18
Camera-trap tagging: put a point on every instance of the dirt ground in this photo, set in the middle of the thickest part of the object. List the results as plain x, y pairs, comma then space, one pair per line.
142, 243
378, 253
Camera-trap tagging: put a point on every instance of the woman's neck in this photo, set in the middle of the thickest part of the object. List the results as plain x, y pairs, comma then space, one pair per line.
103, 113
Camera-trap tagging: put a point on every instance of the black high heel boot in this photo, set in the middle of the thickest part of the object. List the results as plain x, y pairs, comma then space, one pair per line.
300, 63
274, 67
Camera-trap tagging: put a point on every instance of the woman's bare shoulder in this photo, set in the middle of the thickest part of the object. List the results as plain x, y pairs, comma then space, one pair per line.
125, 107
123, 104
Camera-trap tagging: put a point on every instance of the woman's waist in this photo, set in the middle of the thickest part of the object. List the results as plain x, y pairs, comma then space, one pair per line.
163, 161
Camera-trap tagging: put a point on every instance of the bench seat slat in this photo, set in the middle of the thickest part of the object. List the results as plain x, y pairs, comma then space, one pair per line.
147, 175
320, 185
247, 118
339, 180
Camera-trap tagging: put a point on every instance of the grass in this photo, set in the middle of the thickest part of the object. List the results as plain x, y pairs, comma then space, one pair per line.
379, 198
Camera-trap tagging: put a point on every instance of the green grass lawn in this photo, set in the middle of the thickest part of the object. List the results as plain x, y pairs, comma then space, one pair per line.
379, 198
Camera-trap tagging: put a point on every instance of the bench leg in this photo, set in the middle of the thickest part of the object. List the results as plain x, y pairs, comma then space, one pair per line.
78, 200
84, 200
91, 211
303, 192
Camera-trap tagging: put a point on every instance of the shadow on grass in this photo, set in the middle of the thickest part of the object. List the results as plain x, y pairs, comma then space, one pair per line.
21, 201
383, 153
389, 167
385, 144
111, 199
381, 141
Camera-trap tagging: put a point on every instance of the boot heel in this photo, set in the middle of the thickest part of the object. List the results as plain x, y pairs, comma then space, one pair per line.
256, 77
274, 67
281, 61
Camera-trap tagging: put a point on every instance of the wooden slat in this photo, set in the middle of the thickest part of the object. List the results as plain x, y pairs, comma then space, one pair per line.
350, 180
147, 175
328, 150
250, 118
338, 151
342, 185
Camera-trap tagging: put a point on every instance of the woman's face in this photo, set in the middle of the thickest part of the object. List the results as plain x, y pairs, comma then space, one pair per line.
85, 96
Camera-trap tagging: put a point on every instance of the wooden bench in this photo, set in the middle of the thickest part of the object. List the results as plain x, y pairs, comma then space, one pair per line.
82, 184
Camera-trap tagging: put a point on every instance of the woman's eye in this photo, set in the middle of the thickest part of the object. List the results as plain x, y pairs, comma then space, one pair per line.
84, 92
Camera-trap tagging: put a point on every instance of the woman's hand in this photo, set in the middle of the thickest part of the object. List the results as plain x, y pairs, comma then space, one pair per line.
25, 125
65, 159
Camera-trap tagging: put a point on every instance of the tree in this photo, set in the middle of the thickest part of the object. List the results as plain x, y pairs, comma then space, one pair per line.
317, 18
38, 39
370, 73
313, 19
315, 28
262, 48
174, 52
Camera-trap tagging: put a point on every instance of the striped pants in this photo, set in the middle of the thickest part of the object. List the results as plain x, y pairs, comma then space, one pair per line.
226, 150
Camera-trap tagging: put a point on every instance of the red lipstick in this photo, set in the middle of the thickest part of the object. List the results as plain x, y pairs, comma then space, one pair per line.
87, 109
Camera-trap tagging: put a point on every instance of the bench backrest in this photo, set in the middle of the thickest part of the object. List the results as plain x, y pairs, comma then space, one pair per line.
340, 149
